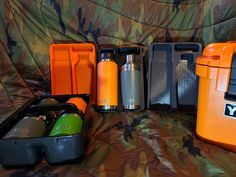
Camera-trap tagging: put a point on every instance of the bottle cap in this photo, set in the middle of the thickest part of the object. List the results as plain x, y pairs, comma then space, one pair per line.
79, 103
48, 101
130, 58
108, 53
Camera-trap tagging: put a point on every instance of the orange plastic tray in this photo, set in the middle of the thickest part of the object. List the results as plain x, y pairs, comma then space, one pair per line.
73, 69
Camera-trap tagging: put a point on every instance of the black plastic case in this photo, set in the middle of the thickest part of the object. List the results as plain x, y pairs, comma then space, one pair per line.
171, 75
30, 151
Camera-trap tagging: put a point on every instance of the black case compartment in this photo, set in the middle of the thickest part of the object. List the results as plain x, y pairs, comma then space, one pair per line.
172, 83
29, 151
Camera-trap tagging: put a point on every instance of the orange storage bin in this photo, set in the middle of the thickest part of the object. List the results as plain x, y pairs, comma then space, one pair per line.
216, 116
73, 69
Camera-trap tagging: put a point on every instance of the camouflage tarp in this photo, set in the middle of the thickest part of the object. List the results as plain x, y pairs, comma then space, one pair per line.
163, 144
141, 144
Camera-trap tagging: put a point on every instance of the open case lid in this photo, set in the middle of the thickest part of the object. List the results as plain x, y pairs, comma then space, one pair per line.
73, 69
171, 74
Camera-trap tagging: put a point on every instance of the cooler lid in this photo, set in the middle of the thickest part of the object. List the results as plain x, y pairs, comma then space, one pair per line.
213, 61
217, 55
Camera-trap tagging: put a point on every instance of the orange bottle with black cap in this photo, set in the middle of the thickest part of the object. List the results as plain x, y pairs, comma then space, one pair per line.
107, 81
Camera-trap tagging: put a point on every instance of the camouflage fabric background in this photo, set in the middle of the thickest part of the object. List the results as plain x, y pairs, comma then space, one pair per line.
141, 144
164, 144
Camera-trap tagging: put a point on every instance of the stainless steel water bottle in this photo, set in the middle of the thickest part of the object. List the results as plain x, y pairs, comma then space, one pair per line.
130, 83
28, 127
34, 125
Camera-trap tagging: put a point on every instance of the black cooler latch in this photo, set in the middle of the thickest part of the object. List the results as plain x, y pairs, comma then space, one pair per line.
231, 94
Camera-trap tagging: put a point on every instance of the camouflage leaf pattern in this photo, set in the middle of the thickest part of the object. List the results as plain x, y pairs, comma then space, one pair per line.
164, 144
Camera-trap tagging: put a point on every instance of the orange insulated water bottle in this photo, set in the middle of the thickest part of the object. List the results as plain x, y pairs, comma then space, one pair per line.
107, 81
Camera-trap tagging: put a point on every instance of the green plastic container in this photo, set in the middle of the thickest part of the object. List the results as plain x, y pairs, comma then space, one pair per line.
67, 124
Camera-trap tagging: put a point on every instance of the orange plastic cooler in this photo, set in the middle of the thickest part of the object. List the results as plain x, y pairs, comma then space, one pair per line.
73, 69
216, 119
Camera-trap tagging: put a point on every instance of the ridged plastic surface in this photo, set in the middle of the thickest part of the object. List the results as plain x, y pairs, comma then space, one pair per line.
171, 75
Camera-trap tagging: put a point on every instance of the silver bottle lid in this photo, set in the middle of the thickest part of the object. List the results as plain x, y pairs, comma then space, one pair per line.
130, 63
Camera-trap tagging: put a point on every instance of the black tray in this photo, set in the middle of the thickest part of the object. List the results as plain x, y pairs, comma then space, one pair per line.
30, 151
171, 75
